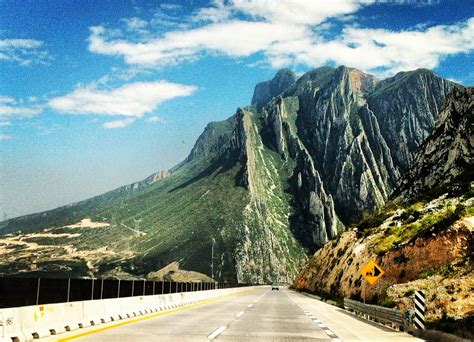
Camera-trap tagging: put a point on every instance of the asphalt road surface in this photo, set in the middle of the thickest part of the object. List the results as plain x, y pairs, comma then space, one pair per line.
255, 315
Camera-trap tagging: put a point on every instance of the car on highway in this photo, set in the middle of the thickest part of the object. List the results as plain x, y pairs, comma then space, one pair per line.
275, 287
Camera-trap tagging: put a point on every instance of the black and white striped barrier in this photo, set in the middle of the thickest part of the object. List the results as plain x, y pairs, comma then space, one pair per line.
420, 305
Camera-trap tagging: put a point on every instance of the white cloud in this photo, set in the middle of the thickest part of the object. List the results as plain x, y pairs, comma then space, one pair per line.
288, 33
20, 111
170, 6
10, 107
5, 137
300, 12
234, 38
135, 23
7, 99
155, 119
119, 123
132, 99
22, 51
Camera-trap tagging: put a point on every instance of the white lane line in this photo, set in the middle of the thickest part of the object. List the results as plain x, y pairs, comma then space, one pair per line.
216, 333
250, 305
239, 314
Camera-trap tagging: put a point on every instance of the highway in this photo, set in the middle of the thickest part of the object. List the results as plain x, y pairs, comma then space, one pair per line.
254, 315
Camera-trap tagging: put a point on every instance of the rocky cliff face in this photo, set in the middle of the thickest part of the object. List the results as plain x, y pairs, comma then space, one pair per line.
270, 185
448, 153
265, 91
421, 242
349, 121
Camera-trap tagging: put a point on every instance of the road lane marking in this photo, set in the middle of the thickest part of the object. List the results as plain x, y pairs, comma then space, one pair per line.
250, 305
130, 321
320, 323
239, 314
216, 332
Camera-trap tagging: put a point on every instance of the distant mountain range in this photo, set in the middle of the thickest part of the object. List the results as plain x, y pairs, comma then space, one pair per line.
266, 187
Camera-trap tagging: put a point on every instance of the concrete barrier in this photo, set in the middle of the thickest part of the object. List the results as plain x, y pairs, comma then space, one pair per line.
10, 329
93, 312
38, 321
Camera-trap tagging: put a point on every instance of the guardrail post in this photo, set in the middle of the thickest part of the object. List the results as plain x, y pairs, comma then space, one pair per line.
38, 291
133, 287
144, 284
163, 287
118, 291
92, 292
68, 289
419, 310
102, 288
154, 284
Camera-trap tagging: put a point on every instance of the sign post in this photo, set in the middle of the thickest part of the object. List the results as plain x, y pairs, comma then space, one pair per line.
371, 273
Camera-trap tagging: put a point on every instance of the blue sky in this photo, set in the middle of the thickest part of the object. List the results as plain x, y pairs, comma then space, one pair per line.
98, 94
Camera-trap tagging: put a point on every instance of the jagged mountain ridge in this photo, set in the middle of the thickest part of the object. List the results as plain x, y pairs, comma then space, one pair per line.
268, 184
448, 153
423, 238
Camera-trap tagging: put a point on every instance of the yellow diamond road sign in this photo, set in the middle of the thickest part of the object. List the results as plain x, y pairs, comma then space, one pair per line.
372, 272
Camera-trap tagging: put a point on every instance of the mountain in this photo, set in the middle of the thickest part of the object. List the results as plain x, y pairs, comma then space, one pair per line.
268, 186
265, 91
447, 154
423, 238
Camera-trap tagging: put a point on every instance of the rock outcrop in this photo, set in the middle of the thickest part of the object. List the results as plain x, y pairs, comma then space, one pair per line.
265, 91
448, 153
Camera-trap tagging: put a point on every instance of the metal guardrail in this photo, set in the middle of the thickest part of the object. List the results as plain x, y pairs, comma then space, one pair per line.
377, 313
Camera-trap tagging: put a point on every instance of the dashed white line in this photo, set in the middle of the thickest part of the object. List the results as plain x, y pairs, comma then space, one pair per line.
316, 320
216, 333
239, 314
250, 305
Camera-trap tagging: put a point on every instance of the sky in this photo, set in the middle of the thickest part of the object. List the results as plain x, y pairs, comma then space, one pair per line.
99, 94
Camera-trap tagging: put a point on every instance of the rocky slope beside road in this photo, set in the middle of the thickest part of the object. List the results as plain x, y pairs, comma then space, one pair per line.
412, 252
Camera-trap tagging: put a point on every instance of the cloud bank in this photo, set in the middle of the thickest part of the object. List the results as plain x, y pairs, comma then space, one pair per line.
288, 33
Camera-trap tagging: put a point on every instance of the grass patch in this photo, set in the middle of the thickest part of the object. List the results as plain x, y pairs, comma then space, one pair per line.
444, 271
370, 221
425, 225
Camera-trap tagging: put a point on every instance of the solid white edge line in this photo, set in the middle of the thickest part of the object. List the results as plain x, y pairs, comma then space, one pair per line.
216, 333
